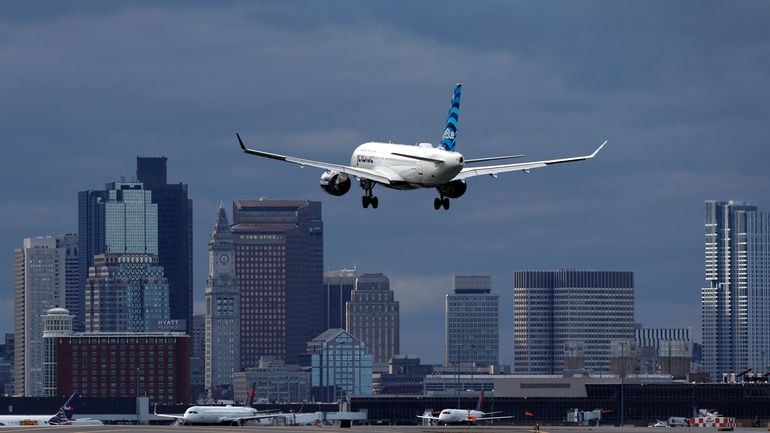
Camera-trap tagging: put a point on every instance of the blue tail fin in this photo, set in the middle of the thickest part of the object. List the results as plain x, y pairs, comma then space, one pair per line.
450, 132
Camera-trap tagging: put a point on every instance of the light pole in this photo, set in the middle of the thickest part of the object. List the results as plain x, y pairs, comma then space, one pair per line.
457, 363
473, 367
622, 376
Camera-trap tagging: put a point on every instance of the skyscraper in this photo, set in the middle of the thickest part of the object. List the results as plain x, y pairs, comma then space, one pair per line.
40, 283
338, 285
736, 298
554, 311
72, 288
279, 264
472, 325
223, 309
174, 234
119, 219
372, 316
125, 293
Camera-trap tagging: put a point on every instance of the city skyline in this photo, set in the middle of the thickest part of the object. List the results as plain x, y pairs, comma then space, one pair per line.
682, 107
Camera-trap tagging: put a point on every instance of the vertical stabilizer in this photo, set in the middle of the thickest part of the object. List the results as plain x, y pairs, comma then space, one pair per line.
64, 416
450, 131
250, 397
480, 403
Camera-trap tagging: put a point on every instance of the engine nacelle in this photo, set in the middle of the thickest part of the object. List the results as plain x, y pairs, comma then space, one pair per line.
334, 183
453, 189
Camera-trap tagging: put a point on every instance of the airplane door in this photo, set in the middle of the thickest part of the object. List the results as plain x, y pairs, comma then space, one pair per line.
419, 168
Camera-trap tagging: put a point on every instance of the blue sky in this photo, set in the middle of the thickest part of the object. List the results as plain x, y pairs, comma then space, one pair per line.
680, 90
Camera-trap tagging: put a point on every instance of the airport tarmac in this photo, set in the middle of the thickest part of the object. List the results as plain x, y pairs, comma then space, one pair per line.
358, 429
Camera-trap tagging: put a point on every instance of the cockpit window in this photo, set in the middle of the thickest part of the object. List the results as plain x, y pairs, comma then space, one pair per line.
461, 160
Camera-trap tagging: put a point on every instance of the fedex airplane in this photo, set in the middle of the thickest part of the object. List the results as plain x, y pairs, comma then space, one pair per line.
464, 416
63, 417
406, 167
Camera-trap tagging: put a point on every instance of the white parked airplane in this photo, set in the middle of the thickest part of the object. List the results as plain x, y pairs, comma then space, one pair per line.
209, 415
233, 415
406, 167
464, 416
63, 417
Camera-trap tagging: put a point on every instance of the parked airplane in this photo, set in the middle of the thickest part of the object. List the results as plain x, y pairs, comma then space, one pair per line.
406, 167
233, 415
63, 417
464, 416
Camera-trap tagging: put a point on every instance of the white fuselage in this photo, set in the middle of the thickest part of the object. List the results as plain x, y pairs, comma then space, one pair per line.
216, 414
24, 420
450, 416
437, 166
33, 420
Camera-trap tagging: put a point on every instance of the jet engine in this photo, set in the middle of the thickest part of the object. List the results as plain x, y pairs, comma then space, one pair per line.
334, 183
453, 189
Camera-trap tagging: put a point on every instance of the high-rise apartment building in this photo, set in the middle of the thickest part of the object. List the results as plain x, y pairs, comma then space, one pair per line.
556, 310
174, 234
372, 316
736, 297
279, 264
471, 327
223, 309
119, 219
40, 271
125, 293
338, 285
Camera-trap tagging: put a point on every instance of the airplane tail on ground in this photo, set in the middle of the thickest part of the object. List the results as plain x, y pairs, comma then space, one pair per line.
64, 416
250, 398
480, 403
450, 131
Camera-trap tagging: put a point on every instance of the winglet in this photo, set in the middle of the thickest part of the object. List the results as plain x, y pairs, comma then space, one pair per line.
598, 149
243, 146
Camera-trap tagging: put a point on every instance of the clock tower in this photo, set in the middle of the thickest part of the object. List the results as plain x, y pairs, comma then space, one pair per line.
223, 321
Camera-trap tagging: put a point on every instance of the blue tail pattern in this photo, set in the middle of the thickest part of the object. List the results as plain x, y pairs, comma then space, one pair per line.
450, 131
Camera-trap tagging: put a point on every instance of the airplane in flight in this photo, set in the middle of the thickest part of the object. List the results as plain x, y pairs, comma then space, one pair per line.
463, 416
407, 167
62, 417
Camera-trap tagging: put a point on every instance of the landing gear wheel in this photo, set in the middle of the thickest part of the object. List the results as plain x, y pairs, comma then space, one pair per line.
365, 201
436, 203
375, 202
445, 203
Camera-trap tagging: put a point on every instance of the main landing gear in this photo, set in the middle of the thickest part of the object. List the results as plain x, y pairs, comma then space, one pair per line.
368, 198
441, 202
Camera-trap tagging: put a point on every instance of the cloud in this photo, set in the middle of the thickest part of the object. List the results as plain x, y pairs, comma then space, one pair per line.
86, 87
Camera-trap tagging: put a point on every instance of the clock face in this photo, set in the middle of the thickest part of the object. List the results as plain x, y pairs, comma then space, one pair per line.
224, 259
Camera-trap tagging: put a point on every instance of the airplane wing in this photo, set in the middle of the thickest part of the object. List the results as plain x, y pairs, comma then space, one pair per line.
487, 418
163, 415
353, 171
494, 170
435, 418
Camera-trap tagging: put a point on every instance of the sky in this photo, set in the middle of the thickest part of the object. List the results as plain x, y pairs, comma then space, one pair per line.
679, 89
